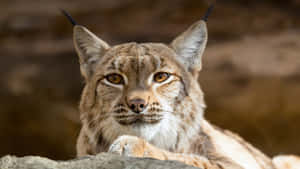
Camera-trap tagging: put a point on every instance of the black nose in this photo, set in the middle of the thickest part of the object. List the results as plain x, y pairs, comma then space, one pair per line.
137, 105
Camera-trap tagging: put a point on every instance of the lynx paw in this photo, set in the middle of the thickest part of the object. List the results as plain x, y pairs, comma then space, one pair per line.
128, 146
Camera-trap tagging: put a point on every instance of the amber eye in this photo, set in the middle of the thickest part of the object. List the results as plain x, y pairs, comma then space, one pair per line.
161, 76
115, 78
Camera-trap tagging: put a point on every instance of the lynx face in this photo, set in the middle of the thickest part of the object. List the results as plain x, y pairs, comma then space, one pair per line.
149, 90
140, 85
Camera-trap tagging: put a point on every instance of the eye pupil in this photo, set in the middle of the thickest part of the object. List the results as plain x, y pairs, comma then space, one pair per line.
161, 76
115, 78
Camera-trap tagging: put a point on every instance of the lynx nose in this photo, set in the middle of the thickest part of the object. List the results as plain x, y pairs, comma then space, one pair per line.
137, 105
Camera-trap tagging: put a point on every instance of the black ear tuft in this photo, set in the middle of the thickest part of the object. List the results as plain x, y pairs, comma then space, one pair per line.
208, 12
69, 17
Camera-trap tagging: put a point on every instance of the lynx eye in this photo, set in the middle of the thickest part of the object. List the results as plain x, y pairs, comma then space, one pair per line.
161, 77
115, 78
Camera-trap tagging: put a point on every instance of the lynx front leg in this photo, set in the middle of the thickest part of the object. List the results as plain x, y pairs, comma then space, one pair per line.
137, 147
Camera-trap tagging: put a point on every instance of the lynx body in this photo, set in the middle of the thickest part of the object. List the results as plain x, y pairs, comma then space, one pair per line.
144, 100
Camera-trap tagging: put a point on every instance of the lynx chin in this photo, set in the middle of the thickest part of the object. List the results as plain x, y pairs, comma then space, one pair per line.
144, 100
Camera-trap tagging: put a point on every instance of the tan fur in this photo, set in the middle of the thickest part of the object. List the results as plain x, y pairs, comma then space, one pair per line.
172, 126
287, 162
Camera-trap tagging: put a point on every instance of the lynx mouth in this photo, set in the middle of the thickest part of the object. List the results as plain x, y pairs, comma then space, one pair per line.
139, 119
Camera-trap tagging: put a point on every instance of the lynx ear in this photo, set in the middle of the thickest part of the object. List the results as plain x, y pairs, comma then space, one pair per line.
89, 49
190, 46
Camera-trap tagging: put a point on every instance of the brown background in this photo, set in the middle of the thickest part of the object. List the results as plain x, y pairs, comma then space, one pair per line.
251, 73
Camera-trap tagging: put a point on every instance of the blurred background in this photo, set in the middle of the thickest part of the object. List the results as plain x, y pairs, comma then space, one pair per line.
251, 74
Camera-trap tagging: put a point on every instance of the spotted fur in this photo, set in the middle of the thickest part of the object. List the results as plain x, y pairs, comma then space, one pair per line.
172, 126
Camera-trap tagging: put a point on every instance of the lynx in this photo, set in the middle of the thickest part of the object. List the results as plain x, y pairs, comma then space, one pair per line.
144, 100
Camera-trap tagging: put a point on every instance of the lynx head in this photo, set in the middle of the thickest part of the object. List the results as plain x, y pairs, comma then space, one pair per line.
144, 89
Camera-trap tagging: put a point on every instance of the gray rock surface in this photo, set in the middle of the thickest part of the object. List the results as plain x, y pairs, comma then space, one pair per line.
101, 161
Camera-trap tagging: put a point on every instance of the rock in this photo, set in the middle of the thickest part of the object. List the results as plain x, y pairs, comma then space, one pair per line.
101, 161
